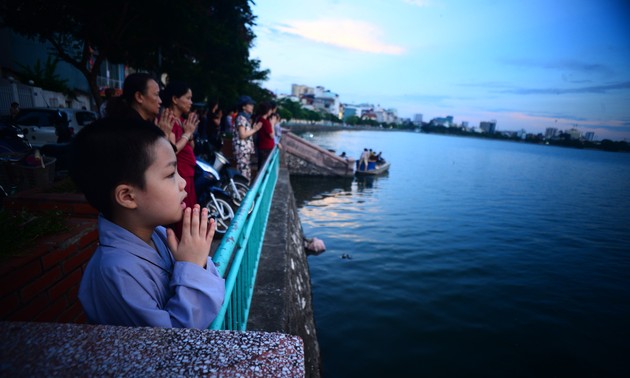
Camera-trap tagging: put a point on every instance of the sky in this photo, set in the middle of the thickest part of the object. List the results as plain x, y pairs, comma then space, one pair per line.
526, 64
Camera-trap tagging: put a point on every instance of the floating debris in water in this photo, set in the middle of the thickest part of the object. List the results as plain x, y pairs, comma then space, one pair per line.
346, 256
314, 246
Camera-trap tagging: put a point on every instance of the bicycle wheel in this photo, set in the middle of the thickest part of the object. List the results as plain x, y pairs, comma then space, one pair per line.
219, 208
239, 194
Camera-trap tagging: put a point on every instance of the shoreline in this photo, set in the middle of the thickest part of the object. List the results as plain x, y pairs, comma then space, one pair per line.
301, 127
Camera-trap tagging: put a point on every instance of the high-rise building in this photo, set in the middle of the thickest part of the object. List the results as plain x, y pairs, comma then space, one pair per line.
488, 126
551, 132
417, 119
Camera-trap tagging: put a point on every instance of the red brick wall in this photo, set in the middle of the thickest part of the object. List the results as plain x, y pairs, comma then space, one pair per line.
42, 283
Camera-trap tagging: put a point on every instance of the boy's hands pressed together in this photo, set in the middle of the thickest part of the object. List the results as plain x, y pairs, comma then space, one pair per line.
197, 234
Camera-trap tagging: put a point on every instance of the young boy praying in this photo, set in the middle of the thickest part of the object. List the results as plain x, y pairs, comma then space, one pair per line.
141, 274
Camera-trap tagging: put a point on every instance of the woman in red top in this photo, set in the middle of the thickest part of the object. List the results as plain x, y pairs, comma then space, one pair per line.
266, 140
178, 98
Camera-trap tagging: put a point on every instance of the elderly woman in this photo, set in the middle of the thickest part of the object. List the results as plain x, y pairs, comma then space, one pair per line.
242, 140
140, 99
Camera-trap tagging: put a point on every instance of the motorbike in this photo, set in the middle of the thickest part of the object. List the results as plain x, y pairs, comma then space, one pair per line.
12, 140
211, 196
14, 148
232, 181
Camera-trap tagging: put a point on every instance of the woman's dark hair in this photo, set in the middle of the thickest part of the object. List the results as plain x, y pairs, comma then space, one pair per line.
120, 107
262, 109
173, 89
109, 152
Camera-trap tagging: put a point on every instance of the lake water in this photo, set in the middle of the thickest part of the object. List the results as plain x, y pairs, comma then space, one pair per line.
471, 257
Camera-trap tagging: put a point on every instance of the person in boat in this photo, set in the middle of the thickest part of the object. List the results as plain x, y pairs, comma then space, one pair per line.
372, 156
364, 159
379, 158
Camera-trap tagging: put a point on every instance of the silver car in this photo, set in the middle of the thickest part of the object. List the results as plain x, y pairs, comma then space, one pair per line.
38, 124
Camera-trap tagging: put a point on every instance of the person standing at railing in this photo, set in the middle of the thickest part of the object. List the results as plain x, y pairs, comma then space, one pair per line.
266, 138
215, 117
140, 99
141, 274
109, 93
178, 98
14, 111
277, 127
242, 140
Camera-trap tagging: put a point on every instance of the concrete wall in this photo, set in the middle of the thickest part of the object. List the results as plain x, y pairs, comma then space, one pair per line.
305, 158
282, 294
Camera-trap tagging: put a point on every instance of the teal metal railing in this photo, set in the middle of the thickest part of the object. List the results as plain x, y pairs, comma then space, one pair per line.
238, 253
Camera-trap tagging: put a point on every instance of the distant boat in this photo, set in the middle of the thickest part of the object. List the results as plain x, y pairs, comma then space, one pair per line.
373, 168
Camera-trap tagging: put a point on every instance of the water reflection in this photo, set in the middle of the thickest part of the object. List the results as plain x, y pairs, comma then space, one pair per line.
368, 182
318, 188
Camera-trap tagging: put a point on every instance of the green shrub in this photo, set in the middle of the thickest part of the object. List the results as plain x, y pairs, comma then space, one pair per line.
19, 231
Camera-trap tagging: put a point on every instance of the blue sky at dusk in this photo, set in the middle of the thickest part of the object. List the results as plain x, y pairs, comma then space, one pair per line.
526, 64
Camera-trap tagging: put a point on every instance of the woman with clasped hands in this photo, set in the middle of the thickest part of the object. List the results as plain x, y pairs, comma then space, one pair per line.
243, 143
178, 99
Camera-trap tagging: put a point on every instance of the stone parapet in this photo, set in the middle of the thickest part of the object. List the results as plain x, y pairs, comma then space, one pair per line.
41, 286
305, 158
80, 350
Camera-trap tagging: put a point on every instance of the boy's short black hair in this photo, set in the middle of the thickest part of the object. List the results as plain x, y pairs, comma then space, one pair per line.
110, 152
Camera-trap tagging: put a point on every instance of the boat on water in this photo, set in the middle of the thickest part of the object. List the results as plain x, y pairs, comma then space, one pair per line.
370, 164
373, 168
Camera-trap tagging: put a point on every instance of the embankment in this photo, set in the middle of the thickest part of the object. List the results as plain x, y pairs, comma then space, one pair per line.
282, 295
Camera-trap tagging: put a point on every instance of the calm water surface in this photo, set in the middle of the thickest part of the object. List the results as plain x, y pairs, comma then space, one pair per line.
471, 258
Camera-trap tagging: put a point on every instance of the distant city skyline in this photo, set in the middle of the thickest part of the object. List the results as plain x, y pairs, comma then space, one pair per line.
527, 65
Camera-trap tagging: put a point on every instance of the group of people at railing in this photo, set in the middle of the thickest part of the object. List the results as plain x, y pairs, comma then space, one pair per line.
136, 167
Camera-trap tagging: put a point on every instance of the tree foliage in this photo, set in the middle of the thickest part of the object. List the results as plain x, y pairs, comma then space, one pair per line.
45, 75
290, 109
204, 42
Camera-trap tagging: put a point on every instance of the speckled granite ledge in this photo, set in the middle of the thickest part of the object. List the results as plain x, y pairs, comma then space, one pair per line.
56, 349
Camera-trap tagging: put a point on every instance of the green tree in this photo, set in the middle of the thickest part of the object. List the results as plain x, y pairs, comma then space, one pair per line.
353, 120
205, 42
290, 109
45, 76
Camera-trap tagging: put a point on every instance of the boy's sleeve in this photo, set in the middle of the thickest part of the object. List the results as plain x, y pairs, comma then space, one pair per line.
131, 285
198, 295
132, 298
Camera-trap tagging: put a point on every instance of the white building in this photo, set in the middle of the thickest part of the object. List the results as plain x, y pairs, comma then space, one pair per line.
417, 119
298, 90
574, 133
318, 99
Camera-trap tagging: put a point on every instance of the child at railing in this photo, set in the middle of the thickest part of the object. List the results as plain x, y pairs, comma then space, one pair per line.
141, 274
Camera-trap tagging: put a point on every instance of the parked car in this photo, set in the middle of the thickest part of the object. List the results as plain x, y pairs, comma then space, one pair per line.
38, 124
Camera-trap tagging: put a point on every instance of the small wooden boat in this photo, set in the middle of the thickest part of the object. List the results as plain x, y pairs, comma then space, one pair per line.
373, 168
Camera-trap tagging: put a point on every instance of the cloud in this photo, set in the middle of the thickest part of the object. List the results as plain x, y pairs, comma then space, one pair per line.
622, 127
586, 89
347, 34
418, 3
562, 65
502, 87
